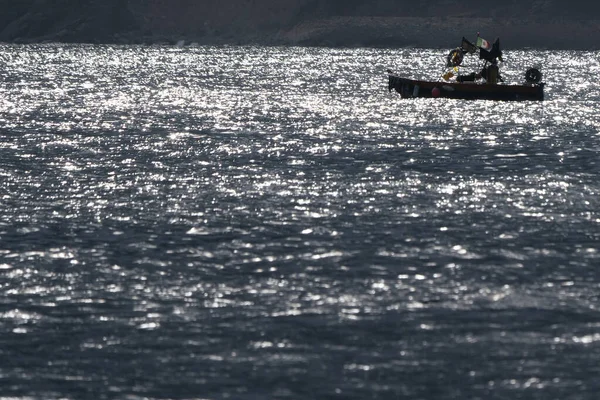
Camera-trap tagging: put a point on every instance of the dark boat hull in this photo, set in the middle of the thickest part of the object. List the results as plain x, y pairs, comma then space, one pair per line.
411, 88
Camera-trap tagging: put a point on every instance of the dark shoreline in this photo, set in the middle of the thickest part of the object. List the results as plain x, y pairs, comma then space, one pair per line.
323, 23
338, 35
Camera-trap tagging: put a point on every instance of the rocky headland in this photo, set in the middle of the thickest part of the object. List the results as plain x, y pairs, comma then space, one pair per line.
551, 24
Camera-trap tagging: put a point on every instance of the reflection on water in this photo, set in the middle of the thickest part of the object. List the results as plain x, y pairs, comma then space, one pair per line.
249, 222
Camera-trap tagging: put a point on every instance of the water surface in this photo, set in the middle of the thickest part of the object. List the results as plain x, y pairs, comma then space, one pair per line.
263, 222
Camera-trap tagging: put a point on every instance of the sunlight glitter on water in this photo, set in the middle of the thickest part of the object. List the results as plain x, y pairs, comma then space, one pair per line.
245, 216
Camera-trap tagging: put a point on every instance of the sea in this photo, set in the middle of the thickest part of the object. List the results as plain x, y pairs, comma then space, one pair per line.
245, 222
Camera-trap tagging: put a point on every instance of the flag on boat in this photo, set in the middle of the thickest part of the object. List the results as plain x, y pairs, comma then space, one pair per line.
467, 46
483, 44
493, 54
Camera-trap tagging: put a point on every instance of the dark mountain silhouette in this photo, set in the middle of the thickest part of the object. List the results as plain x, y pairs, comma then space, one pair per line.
64, 20
435, 23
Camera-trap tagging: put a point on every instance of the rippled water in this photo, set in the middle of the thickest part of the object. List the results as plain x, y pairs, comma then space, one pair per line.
270, 223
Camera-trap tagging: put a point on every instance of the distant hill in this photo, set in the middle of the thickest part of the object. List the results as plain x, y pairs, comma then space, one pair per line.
65, 20
434, 23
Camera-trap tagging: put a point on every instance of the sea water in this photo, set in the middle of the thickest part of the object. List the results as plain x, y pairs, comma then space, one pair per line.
272, 223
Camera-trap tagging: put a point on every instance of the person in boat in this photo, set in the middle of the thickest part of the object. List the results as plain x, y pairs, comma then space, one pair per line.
490, 73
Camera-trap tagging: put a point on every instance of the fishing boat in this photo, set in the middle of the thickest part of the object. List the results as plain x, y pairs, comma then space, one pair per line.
486, 84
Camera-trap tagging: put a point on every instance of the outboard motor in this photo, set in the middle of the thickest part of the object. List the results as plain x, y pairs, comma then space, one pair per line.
533, 75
